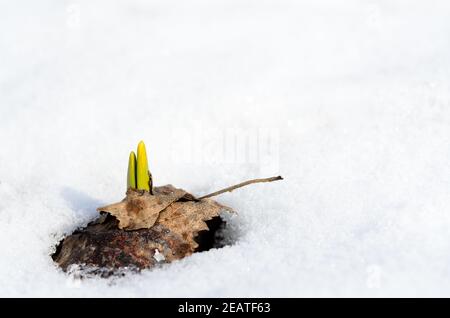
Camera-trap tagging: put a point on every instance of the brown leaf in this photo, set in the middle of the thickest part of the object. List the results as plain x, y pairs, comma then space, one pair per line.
141, 231
140, 210
188, 218
185, 217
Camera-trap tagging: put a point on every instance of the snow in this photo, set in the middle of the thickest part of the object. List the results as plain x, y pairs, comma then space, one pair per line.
348, 100
158, 256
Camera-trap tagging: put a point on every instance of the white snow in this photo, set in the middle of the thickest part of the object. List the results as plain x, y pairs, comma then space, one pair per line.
158, 256
350, 102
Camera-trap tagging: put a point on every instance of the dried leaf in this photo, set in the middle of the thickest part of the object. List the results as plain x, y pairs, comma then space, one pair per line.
188, 218
144, 229
141, 231
140, 209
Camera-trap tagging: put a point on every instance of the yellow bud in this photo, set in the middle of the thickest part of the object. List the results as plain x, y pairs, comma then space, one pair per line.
143, 178
131, 178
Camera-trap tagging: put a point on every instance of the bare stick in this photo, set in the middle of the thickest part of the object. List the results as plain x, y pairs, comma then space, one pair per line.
240, 185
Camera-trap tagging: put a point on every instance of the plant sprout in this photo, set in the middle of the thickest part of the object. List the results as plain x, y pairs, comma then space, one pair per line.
131, 177
139, 176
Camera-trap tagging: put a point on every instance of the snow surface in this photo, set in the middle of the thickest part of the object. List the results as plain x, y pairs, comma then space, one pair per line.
354, 96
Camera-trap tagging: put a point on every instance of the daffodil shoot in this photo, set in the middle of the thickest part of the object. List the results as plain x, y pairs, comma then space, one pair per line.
131, 178
139, 177
143, 174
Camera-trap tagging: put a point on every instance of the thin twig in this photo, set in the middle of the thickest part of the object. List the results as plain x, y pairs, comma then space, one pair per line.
240, 185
